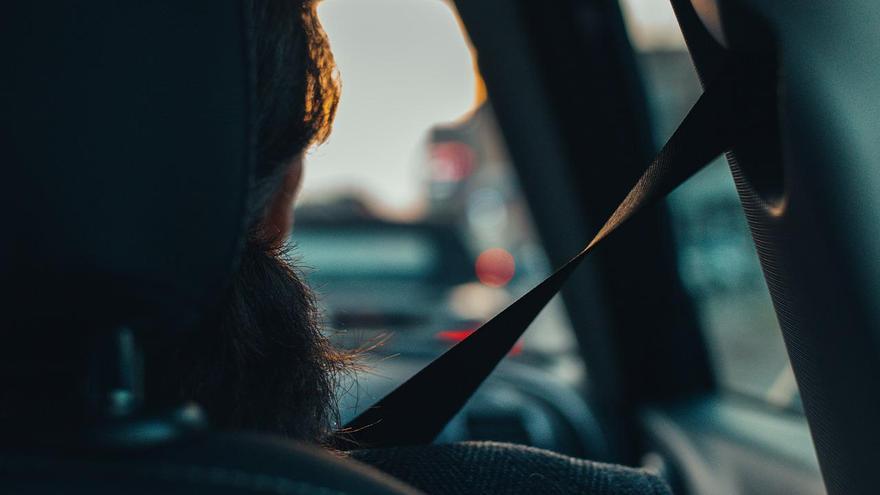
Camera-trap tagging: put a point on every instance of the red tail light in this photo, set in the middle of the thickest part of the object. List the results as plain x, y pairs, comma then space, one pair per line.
456, 336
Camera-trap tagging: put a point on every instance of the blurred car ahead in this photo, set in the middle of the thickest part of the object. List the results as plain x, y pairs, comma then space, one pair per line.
414, 286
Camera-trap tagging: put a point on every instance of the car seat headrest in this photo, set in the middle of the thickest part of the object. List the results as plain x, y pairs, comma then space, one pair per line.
126, 158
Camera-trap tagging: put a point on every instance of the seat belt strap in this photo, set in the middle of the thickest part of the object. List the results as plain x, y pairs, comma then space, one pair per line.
418, 410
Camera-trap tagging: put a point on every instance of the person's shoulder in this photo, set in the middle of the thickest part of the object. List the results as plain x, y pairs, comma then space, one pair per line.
491, 467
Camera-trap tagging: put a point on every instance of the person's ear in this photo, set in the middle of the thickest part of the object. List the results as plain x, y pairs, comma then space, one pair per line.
278, 222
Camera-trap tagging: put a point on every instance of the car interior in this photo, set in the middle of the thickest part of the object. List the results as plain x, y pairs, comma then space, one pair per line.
642, 233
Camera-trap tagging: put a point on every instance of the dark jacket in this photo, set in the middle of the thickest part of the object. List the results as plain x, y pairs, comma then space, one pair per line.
472, 468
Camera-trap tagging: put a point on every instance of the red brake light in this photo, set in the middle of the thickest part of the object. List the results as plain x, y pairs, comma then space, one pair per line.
451, 161
495, 267
456, 336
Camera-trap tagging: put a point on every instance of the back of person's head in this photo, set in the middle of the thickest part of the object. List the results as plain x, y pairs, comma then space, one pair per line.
297, 90
261, 361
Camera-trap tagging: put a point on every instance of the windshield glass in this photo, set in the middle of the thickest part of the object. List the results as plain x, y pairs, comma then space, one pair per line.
412, 225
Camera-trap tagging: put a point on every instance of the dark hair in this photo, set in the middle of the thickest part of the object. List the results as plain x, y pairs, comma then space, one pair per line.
261, 361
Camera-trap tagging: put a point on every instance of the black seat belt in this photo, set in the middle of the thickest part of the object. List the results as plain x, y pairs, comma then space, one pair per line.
418, 410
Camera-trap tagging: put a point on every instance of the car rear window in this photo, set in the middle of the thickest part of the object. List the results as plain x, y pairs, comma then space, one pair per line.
365, 253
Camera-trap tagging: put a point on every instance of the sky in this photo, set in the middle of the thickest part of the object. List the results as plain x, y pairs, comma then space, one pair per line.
405, 66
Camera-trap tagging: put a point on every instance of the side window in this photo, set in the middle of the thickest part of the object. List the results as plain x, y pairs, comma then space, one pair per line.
716, 256
411, 224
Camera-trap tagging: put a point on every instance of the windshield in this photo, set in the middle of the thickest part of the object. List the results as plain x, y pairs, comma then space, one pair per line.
412, 224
